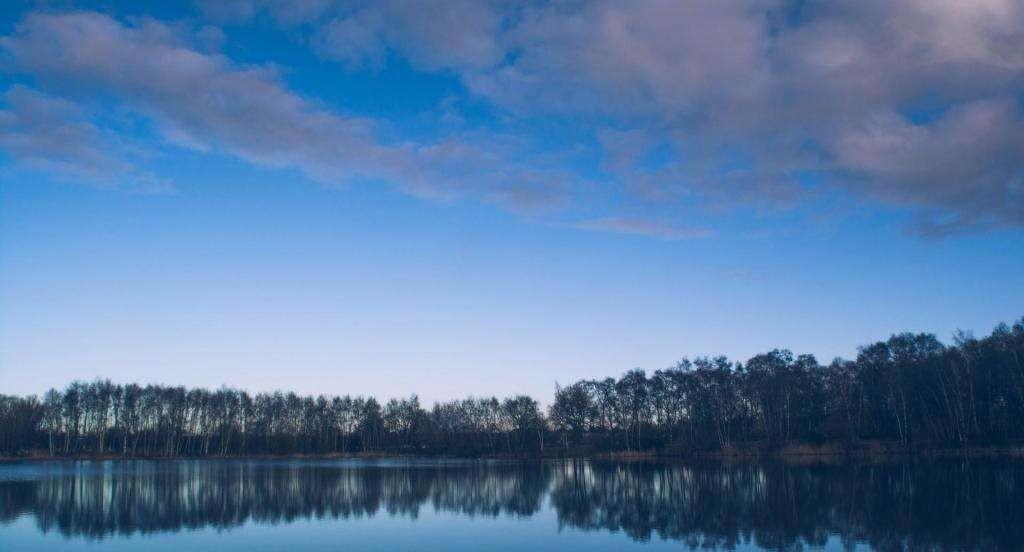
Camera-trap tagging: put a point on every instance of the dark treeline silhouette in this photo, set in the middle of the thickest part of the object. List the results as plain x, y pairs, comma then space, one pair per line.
911, 390
963, 506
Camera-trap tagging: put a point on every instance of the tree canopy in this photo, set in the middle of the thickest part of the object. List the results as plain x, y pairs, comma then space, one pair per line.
910, 389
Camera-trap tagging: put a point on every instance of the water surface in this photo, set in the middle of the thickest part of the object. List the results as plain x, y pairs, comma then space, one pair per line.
306, 505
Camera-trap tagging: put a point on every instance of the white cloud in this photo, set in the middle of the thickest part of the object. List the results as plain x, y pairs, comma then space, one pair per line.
788, 87
53, 135
965, 167
913, 103
204, 101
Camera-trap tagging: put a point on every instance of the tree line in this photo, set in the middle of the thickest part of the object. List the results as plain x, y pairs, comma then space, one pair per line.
910, 389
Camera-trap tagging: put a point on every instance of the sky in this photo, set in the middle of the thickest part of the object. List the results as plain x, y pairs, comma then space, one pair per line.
460, 197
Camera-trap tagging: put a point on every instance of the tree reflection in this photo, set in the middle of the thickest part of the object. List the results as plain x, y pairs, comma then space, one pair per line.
955, 506
941, 506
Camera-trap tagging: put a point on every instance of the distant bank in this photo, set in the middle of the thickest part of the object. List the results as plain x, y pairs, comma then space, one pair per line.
910, 394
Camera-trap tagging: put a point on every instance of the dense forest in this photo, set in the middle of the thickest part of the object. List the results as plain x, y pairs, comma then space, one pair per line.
910, 390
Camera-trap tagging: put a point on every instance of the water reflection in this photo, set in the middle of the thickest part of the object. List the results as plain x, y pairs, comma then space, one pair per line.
945, 506
954, 506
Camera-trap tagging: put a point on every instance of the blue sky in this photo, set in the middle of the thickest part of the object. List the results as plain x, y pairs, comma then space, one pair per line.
350, 197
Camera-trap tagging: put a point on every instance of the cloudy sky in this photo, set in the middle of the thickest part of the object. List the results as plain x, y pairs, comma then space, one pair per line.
460, 197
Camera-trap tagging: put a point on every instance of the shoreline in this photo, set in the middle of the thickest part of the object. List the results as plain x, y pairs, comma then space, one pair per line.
792, 453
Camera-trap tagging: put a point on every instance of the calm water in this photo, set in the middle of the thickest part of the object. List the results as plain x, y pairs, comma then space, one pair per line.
461, 506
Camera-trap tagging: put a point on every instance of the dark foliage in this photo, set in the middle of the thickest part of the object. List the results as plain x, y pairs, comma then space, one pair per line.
911, 389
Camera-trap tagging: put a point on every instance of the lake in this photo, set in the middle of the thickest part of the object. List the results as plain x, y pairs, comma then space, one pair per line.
425, 505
